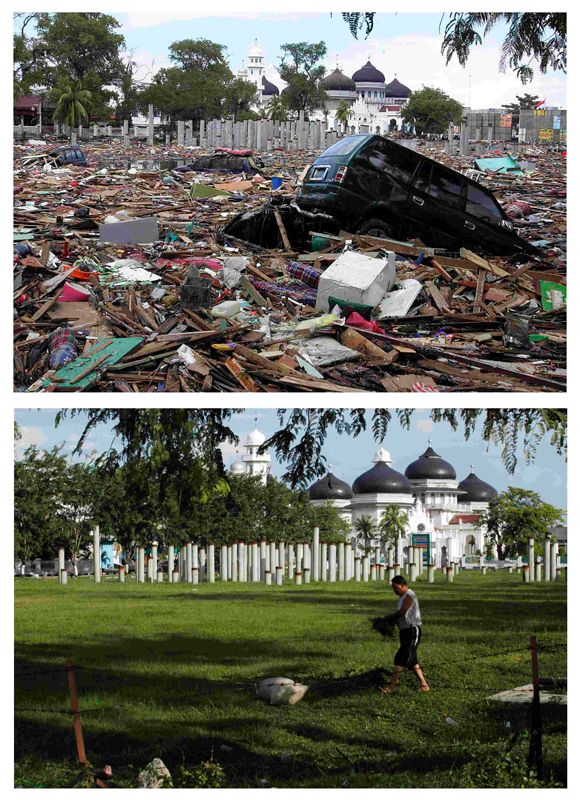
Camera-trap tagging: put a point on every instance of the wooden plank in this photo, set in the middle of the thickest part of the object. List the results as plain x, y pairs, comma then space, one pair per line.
438, 298
242, 377
44, 308
479, 291
482, 263
282, 229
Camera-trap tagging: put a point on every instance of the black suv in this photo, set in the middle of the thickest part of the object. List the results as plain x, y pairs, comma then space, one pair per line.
371, 185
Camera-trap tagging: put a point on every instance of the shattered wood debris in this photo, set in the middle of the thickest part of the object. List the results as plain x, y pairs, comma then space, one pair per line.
235, 290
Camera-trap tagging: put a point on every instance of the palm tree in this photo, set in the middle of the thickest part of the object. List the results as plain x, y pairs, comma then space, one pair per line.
72, 103
277, 109
343, 113
393, 525
366, 530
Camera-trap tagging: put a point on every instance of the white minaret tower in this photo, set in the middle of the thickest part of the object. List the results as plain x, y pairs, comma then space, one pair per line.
256, 464
255, 67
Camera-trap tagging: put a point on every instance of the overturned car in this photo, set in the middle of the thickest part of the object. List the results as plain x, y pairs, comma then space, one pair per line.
368, 184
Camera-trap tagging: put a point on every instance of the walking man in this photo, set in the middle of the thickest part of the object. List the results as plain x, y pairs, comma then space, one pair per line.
408, 619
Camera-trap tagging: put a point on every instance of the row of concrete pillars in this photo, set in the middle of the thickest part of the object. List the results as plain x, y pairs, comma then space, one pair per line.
268, 562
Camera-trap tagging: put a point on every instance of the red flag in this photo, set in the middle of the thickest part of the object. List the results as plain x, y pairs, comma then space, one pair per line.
540, 103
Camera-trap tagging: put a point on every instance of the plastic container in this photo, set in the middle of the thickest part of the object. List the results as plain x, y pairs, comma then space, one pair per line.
276, 181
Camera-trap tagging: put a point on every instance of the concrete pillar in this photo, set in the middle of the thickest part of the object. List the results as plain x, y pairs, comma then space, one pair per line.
242, 568
202, 133
150, 125
307, 575
390, 573
170, 562
141, 564
449, 574
526, 573
519, 564
273, 557
176, 575
484, 570
189, 133
547, 559
150, 573
63, 577
510, 570
211, 563
268, 578
332, 563
431, 573
323, 569
357, 569
291, 562
373, 571
298, 576
553, 559
390, 556
154, 553
316, 554
412, 572
180, 132
341, 564
279, 575
234, 575
229, 562
366, 568
281, 556
73, 137
223, 563
260, 135
489, 134
538, 573
122, 573
531, 558
263, 560
195, 576
97, 553
189, 561
256, 558
307, 556
60, 563
299, 557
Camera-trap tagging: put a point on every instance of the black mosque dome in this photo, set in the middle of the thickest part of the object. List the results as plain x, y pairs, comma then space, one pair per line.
330, 488
382, 479
397, 89
474, 490
430, 466
338, 82
268, 88
368, 74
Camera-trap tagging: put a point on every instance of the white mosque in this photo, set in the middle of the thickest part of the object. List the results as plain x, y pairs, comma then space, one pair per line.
439, 508
376, 106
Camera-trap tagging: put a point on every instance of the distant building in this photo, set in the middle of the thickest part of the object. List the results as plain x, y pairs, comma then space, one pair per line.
254, 71
252, 463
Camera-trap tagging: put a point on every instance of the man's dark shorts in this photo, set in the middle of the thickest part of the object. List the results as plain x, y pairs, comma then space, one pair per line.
406, 655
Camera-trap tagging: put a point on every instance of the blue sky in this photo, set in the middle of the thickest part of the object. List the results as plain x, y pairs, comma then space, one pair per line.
350, 457
402, 44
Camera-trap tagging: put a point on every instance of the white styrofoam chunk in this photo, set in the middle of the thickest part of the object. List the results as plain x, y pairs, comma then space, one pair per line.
356, 278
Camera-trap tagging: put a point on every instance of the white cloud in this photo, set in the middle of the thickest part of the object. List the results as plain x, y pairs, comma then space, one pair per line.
425, 425
30, 436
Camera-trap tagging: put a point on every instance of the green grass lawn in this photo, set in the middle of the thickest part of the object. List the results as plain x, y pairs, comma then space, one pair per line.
168, 671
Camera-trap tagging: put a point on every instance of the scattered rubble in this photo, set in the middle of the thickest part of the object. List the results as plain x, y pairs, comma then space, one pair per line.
155, 776
138, 273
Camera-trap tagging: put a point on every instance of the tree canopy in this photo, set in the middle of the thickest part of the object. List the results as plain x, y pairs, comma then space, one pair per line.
516, 514
301, 69
431, 110
300, 440
71, 47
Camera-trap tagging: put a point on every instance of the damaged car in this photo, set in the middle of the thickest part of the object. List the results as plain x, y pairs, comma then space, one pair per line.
226, 162
371, 185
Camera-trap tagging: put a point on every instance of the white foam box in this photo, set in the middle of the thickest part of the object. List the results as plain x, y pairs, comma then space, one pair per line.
356, 278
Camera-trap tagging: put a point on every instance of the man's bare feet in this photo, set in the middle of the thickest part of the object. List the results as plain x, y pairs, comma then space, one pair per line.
424, 688
388, 689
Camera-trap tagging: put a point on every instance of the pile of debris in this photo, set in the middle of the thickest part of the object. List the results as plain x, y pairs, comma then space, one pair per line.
137, 272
